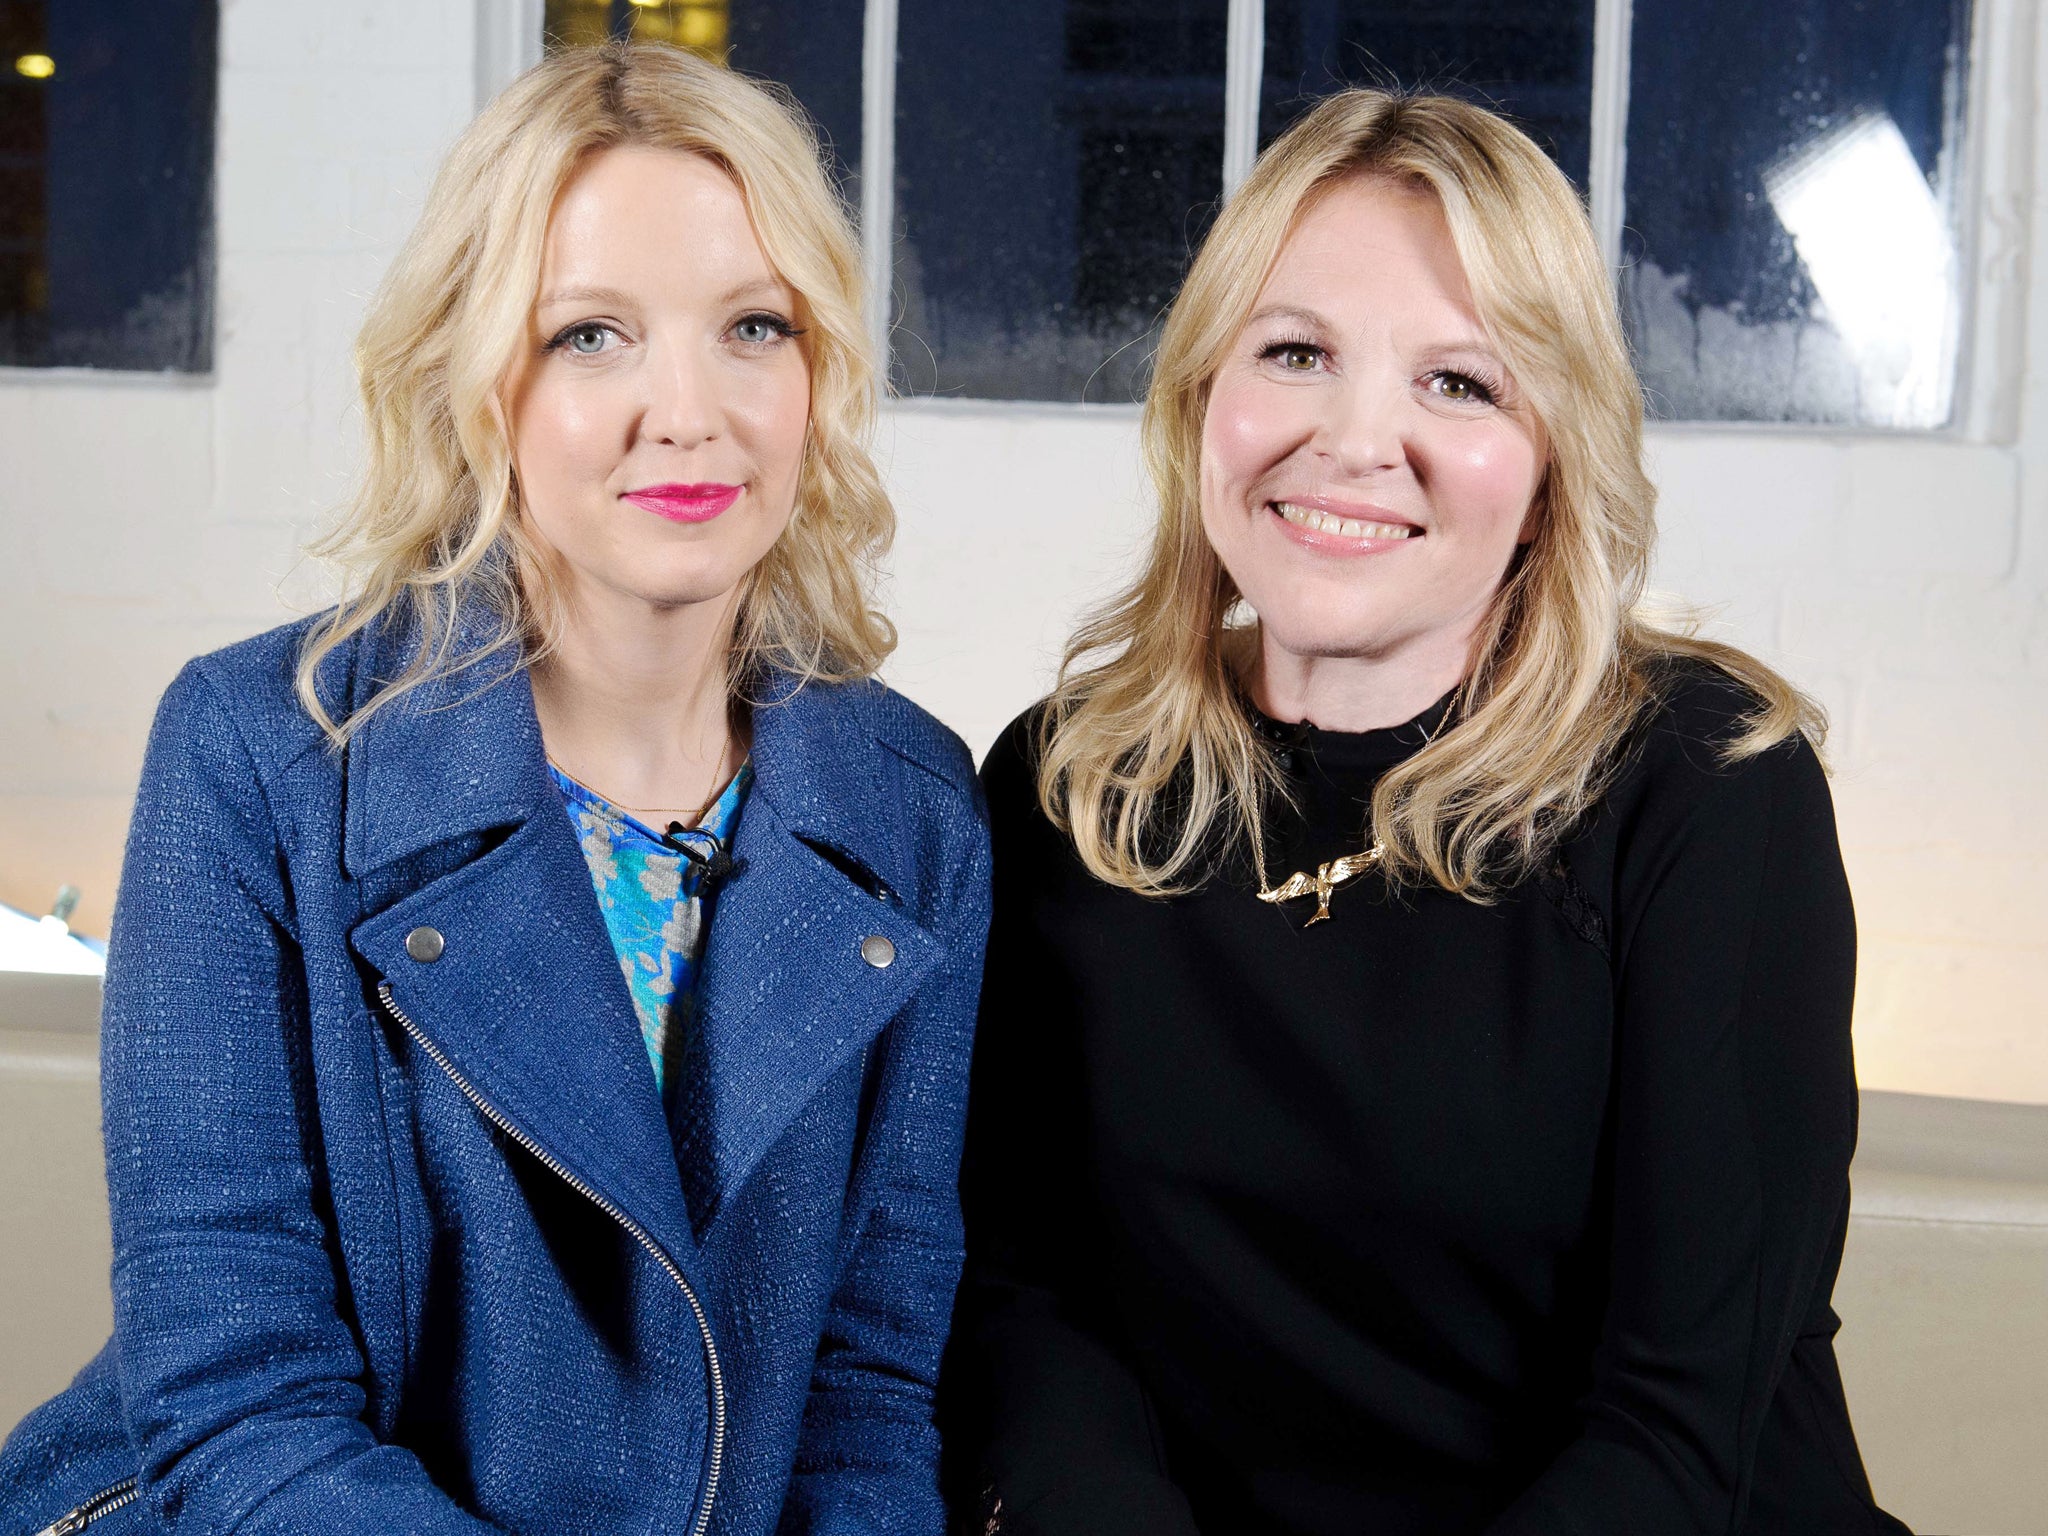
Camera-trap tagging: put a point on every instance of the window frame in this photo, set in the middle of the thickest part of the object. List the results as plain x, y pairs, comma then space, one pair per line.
21, 375
1992, 195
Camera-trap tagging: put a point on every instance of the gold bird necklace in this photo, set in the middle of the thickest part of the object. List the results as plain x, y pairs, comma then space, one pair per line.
1325, 880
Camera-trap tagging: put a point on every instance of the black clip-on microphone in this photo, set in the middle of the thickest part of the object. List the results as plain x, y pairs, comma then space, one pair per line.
713, 868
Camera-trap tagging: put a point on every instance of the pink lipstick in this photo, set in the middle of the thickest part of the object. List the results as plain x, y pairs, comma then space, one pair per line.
685, 503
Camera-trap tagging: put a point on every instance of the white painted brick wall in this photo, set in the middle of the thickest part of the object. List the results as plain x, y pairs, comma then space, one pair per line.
1904, 581
147, 520
1897, 581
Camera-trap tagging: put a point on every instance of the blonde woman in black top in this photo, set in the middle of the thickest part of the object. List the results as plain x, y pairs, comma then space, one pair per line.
1414, 1089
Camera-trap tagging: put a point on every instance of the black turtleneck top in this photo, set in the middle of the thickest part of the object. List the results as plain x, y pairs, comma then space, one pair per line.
1436, 1217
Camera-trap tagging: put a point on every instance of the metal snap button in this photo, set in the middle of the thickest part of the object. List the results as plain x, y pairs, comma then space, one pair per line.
877, 951
425, 945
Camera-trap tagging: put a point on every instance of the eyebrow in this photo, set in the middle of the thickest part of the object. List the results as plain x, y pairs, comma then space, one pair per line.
772, 287
1307, 317
1310, 320
611, 296
618, 299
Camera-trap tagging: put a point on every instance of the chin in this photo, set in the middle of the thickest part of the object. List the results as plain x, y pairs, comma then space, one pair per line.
1323, 629
1329, 643
685, 587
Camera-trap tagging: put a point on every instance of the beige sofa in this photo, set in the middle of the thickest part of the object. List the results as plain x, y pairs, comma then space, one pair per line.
1944, 1305
1943, 1295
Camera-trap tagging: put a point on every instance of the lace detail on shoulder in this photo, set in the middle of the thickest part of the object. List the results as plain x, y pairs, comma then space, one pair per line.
1573, 903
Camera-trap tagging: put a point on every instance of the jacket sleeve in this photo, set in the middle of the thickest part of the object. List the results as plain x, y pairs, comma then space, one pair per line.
868, 1451
1735, 1105
239, 1374
1050, 1431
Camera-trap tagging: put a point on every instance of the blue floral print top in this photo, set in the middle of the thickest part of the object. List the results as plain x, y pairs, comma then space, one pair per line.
654, 907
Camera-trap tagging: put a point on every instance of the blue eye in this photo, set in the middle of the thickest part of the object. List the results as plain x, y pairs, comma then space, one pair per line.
586, 338
759, 330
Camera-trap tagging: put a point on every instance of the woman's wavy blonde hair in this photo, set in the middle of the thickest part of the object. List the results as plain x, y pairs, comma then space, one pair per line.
434, 527
1146, 756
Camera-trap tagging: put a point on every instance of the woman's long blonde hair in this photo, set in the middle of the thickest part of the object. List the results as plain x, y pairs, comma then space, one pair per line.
1146, 756
434, 528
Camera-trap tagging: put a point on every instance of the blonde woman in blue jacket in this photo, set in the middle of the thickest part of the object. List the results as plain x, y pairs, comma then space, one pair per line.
539, 1001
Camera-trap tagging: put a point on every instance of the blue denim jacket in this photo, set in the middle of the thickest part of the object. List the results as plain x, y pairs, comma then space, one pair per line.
402, 1241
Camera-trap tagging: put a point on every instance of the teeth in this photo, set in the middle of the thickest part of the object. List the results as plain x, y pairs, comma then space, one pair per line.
1343, 527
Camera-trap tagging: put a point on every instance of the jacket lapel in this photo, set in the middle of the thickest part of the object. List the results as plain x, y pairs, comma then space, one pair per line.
789, 991
524, 999
526, 1003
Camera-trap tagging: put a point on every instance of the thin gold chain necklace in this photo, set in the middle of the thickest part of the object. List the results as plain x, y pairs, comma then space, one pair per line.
649, 810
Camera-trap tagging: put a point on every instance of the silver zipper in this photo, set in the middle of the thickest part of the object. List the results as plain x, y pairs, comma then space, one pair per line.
713, 1369
104, 1502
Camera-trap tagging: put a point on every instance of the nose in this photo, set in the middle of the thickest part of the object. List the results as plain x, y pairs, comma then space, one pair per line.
683, 405
1361, 431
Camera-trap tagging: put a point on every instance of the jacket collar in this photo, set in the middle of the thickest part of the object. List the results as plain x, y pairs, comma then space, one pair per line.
462, 754
526, 1001
459, 754
818, 762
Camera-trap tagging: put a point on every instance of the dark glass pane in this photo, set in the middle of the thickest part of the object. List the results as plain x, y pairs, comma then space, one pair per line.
1531, 59
1056, 163
811, 46
106, 184
1789, 252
